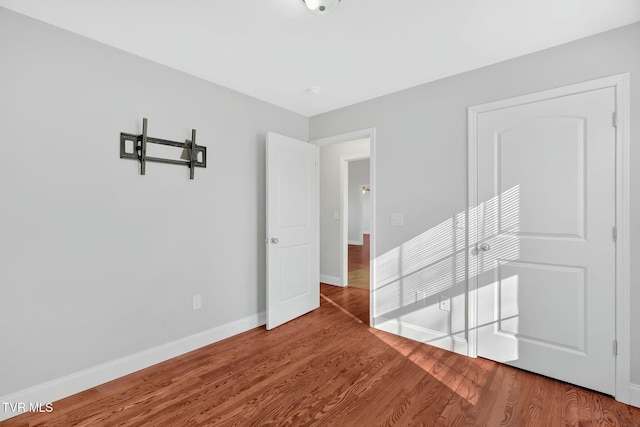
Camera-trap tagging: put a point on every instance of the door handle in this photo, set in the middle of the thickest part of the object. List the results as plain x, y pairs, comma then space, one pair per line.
484, 247
274, 240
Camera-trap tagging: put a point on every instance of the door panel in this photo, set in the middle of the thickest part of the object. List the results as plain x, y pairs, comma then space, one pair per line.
293, 282
555, 180
533, 283
295, 182
546, 283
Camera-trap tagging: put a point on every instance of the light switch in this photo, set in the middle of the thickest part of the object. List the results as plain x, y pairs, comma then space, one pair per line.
397, 219
196, 302
336, 215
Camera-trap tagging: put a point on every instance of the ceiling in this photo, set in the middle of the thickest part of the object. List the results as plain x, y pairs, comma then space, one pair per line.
277, 50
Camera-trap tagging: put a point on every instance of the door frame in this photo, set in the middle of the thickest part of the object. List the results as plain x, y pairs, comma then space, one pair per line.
363, 190
344, 214
620, 83
344, 254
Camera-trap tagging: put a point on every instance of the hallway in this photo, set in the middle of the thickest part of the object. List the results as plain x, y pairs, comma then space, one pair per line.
359, 264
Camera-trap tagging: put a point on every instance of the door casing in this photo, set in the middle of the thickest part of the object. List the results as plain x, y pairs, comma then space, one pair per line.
620, 83
352, 136
344, 214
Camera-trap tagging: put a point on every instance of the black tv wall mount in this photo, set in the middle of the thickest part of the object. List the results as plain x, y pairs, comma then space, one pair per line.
193, 155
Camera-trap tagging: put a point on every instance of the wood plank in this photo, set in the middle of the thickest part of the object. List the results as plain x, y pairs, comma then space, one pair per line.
329, 368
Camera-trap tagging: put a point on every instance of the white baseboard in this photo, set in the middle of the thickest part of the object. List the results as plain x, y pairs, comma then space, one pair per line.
634, 395
42, 395
417, 333
331, 280
356, 242
453, 343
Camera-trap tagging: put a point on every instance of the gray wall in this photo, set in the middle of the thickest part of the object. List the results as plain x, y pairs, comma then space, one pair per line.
330, 239
421, 138
96, 261
358, 176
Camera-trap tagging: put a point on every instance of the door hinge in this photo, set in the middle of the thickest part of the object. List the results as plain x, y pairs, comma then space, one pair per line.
615, 119
614, 232
615, 347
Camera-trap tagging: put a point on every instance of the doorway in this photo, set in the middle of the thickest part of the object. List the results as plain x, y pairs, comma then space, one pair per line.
336, 154
357, 212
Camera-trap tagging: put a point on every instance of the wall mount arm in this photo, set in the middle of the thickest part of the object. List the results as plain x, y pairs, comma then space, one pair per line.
191, 152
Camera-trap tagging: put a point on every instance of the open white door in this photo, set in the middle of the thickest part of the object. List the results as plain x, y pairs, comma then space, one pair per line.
293, 274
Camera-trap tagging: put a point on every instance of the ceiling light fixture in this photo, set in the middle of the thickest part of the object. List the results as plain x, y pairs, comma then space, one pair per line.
321, 7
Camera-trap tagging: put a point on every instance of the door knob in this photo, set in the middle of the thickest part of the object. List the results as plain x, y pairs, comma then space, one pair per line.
484, 247
274, 240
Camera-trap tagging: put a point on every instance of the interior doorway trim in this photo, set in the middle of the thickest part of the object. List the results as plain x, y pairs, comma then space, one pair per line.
620, 83
346, 137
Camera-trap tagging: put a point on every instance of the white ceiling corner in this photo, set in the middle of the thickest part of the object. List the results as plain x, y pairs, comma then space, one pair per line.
276, 50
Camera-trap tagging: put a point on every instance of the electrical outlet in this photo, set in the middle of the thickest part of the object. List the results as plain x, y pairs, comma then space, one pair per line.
445, 303
197, 302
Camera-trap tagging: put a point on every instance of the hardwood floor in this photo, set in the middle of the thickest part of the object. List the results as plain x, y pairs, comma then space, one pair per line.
329, 368
358, 264
359, 254
353, 301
